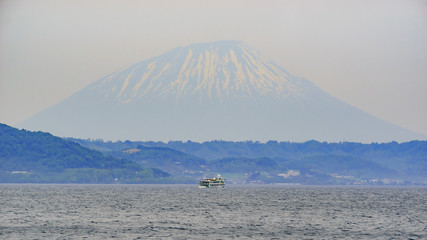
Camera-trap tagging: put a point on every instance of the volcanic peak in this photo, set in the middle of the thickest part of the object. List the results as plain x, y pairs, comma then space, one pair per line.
220, 69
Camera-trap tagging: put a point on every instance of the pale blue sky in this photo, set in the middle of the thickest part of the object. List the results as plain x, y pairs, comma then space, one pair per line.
371, 54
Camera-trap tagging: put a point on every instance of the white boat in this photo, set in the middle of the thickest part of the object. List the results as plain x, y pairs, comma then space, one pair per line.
217, 181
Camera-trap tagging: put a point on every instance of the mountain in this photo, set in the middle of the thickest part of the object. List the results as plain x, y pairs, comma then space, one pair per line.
222, 90
40, 157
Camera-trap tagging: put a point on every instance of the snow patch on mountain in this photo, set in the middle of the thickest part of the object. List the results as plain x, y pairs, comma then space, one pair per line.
214, 71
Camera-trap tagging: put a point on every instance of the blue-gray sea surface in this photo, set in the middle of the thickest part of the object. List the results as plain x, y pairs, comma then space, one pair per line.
235, 212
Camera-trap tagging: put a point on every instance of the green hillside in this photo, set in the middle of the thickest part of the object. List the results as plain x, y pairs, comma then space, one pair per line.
170, 160
43, 158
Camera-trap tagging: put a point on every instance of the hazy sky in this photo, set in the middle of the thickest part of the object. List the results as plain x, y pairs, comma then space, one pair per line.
371, 54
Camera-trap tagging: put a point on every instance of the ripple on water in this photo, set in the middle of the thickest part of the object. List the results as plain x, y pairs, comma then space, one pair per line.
186, 212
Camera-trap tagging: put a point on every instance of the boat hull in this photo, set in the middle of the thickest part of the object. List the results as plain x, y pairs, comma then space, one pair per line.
211, 185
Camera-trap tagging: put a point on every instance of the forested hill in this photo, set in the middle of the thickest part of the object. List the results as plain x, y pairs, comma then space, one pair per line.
41, 157
310, 162
221, 149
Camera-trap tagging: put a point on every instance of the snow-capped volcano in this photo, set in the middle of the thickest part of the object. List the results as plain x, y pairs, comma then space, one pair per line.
222, 90
220, 70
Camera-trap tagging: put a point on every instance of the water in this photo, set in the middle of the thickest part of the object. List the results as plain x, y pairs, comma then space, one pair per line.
186, 212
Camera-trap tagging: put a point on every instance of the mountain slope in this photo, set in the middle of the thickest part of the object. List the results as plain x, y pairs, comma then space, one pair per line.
40, 157
221, 90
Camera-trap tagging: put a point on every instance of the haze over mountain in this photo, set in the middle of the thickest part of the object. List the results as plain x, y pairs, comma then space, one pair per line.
221, 90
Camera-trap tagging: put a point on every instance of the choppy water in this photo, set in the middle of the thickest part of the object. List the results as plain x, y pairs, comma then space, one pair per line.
186, 212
